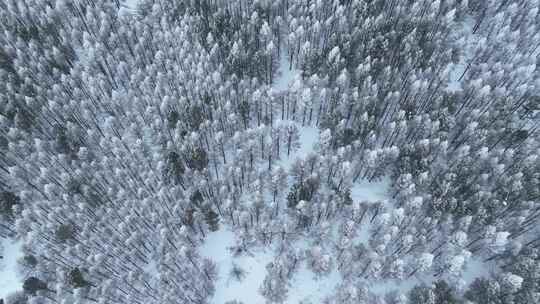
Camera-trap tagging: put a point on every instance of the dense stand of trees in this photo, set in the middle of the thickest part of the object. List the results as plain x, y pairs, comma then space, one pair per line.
125, 140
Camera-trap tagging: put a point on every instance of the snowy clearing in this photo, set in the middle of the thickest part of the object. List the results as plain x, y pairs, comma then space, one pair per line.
307, 287
286, 74
465, 32
309, 136
303, 286
128, 7
216, 247
476, 268
10, 280
152, 270
373, 191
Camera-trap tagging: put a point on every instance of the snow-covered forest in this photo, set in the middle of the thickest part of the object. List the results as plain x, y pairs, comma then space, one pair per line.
269, 151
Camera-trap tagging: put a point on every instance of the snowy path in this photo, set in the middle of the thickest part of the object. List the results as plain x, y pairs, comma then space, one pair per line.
10, 280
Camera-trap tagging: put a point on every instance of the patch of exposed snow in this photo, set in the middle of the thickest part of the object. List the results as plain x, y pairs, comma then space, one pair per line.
216, 247
128, 7
152, 269
309, 136
305, 286
10, 279
286, 74
373, 191
363, 234
455, 85
466, 36
403, 286
476, 268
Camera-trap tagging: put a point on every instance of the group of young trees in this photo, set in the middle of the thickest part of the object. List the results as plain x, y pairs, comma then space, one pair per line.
125, 140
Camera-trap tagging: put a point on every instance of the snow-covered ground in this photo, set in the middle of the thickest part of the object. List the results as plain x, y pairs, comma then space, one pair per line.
216, 247
403, 286
468, 40
309, 136
373, 191
303, 286
476, 268
128, 7
152, 270
287, 75
10, 279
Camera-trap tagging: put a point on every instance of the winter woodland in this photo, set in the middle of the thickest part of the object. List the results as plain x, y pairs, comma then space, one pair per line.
269, 151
